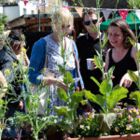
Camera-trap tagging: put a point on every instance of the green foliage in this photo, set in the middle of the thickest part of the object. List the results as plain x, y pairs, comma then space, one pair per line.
98, 61
105, 121
3, 107
138, 55
136, 95
109, 96
62, 94
69, 111
133, 4
3, 20
78, 3
134, 77
127, 121
32, 116
88, 126
31, 96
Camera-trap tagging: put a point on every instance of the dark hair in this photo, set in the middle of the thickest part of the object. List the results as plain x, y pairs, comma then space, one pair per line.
87, 12
15, 36
128, 34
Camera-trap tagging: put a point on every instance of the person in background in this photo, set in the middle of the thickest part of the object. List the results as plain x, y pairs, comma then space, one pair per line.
122, 53
87, 45
7, 59
17, 43
47, 53
15, 103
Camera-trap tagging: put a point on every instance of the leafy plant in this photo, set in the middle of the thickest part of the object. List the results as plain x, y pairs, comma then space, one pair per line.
127, 121
3, 20
108, 97
3, 120
133, 4
32, 116
71, 99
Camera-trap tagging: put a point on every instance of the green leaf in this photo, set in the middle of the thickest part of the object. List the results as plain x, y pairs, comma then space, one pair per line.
99, 99
117, 94
110, 72
138, 54
106, 87
62, 94
136, 95
105, 120
62, 110
98, 62
77, 97
133, 76
68, 78
61, 69
105, 40
96, 81
28, 103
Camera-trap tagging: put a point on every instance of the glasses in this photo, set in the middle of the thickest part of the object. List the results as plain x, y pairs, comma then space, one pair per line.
87, 23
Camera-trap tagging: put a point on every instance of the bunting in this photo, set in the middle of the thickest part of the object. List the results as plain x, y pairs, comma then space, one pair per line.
123, 13
106, 13
25, 2
79, 11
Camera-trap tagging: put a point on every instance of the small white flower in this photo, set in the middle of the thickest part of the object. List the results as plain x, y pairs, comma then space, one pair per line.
82, 126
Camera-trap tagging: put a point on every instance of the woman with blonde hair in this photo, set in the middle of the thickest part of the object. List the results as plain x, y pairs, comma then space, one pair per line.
47, 53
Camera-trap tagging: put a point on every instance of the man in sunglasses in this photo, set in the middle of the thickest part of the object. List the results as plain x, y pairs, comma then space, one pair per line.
87, 45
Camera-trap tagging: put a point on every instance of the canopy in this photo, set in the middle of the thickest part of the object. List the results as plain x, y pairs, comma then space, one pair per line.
132, 20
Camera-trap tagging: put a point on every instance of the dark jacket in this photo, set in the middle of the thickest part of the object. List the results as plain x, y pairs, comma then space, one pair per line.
7, 58
87, 48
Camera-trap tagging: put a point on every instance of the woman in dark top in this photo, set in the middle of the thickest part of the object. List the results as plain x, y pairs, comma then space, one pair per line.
122, 54
121, 67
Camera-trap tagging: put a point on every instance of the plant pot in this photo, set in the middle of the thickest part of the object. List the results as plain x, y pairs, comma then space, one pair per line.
115, 137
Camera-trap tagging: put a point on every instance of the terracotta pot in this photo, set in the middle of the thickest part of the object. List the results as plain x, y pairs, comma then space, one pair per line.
115, 137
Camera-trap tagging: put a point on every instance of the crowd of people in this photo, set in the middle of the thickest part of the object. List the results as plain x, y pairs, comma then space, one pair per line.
47, 55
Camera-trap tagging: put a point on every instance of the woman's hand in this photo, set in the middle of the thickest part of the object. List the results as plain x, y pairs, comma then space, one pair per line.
54, 81
126, 81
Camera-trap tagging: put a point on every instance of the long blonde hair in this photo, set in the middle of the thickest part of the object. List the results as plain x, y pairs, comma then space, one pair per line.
62, 17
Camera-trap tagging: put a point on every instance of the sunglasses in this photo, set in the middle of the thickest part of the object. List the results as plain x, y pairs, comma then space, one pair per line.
87, 23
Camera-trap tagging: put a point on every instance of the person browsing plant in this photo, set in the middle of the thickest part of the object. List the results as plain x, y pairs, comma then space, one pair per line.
53, 52
122, 53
